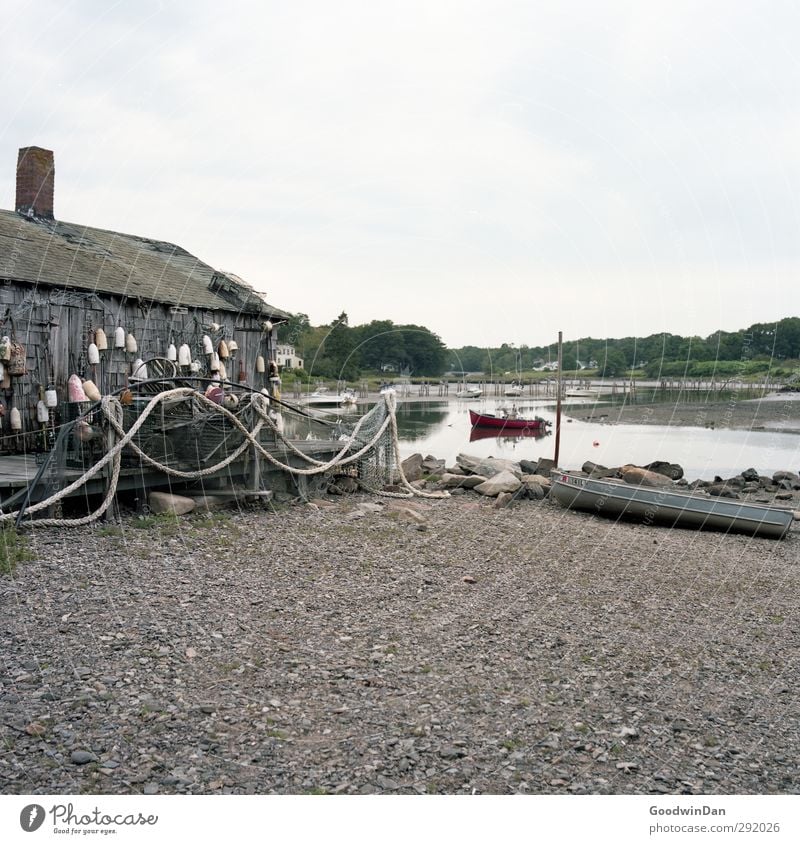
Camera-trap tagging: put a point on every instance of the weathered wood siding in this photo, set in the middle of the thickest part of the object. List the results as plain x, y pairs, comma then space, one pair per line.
56, 327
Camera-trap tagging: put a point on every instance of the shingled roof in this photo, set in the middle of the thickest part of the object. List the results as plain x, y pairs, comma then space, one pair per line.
65, 255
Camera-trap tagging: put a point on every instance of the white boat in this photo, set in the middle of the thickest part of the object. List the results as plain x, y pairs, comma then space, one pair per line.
387, 388
513, 389
323, 397
578, 393
469, 392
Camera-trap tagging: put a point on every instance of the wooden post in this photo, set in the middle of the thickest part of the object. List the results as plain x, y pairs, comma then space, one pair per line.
558, 405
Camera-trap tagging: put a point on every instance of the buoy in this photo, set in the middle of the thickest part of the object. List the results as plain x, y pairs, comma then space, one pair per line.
230, 401
215, 393
260, 365
119, 338
233, 347
195, 366
85, 432
75, 389
5, 348
215, 326
267, 326
42, 413
185, 355
92, 393
208, 346
596, 443
172, 352
100, 340
139, 370
6, 382
131, 346
2, 371
51, 396
214, 365
94, 353
16, 420
222, 350
223, 374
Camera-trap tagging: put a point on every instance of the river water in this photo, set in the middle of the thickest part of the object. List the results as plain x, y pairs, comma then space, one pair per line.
443, 429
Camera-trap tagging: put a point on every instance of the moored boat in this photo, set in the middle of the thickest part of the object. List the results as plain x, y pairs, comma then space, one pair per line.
657, 505
469, 393
509, 421
514, 389
580, 393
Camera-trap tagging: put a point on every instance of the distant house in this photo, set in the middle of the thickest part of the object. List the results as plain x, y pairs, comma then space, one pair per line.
63, 286
286, 357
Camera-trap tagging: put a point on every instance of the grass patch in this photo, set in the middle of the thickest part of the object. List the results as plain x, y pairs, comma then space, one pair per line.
13, 549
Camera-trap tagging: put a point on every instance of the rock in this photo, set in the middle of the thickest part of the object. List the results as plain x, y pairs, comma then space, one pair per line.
432, 466
544, 466
528, 467
643, 477
412, 467
346, 483
369, 507
409, 514
165, 502
783, 496
597, 471
82, 757
669, 470
35, 729
503, 500
502, 482
534, 491
333, 489
721, 491
488, 466
211, 502
449, 481
469, 579
750, 475
784, 476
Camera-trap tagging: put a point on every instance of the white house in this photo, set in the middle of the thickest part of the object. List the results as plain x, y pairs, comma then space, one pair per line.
286, 358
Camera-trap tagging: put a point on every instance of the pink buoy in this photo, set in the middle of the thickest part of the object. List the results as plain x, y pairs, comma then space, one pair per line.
596, 443
75, 389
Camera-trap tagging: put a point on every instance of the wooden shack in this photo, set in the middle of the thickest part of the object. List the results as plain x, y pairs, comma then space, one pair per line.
61, 282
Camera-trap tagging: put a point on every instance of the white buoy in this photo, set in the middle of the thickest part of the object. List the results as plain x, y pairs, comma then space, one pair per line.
16, 420
208, 346
5, 348
51, 397
172, 352
131, 346
94, 353
119, 337
222, 350
223, 374
139, 370
42, 413
185, 355
2, 372
260, 365
267, 326
92, 393
214, 365
100, 340
233, 347
195, 366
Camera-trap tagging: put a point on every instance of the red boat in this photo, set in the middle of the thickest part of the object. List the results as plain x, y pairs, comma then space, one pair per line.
509, 422
507, 435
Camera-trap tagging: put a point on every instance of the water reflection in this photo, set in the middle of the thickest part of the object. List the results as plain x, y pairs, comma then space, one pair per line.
509, 436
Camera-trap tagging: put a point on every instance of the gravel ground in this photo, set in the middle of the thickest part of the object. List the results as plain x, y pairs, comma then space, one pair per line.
344, 648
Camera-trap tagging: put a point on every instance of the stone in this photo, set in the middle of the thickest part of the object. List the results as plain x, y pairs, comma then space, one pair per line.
449, 481
369, 507
750, 475
346, 483
211, 502
669, 470
433, 466
783, 496
412, 467
35, 729
501, 482
469, 579
643, 477
82, 757
784, 476
488, 466
534, 491
408, 514
165, 502
503, 500
544, 466
721, 491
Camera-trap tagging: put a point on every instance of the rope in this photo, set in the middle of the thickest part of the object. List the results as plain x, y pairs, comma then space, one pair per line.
113, 411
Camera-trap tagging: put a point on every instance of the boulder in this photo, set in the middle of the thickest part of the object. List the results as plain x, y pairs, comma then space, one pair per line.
722, 491
750, 475
503, 500
544, 465
412, 467
448, 481
643, 477
432, 466
501, 482
528, 467
784, 476
534, 491
487, 466
595, 470
669, 470
165, 502
211, 502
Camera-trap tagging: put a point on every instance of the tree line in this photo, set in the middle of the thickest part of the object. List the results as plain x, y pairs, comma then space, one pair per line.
339, 350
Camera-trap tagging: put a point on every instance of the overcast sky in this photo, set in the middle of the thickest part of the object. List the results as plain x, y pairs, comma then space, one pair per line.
493, 170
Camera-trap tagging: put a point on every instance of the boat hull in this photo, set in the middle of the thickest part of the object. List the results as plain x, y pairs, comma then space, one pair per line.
488, 421
655, 505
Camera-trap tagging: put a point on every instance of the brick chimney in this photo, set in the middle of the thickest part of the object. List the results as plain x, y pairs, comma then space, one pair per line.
35, 177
